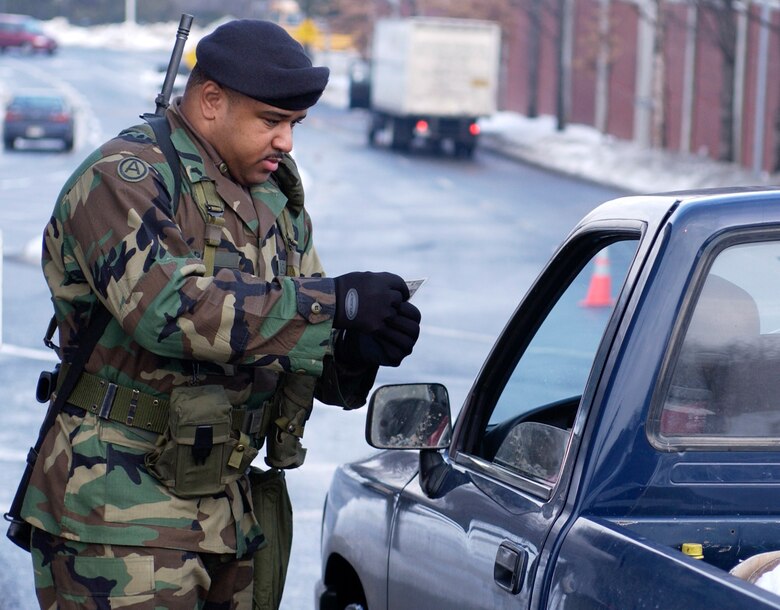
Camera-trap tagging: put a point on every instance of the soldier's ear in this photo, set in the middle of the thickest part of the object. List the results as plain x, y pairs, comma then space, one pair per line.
212, 98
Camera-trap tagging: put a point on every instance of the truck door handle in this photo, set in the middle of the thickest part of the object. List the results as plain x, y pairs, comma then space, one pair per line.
509, 569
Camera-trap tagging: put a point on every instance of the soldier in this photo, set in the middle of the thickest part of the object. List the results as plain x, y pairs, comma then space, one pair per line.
222, 329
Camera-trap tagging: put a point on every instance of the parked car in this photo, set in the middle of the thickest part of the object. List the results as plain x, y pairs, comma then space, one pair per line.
620, 447
38, 116
25, 33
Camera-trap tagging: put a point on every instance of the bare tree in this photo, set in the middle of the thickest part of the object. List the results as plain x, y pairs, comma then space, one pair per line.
719, 23
650, 109
658, 132
544, 18
598, 47
604, 60
534, 55
565, 13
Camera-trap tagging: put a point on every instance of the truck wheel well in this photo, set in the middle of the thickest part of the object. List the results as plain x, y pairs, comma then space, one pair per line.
343, 584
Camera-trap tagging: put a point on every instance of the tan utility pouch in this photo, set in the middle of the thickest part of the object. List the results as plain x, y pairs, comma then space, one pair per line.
273, 512
291, 409
200, 453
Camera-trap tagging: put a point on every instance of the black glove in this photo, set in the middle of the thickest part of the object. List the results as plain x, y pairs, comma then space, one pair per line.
386, 347
364, 300
399, 335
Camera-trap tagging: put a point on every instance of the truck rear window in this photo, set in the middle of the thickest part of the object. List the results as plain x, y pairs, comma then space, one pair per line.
725, 383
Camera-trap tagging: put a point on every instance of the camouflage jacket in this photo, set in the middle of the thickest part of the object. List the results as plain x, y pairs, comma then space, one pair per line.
113, 237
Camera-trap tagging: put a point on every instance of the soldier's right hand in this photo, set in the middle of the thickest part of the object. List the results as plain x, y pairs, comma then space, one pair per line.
364, 300
289, 179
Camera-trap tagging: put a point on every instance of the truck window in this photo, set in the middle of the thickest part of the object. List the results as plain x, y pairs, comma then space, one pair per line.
724, 388
528, 429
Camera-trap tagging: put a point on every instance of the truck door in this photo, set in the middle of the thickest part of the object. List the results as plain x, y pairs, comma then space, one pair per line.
475, 541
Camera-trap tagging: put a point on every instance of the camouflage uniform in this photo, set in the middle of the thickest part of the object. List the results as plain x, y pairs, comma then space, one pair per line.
112, 237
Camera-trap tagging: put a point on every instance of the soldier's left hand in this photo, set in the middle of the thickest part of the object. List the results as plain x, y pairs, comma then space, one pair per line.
400, 333
387, 346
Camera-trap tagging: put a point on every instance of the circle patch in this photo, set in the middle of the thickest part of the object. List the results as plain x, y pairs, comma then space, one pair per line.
351, 304
132, 169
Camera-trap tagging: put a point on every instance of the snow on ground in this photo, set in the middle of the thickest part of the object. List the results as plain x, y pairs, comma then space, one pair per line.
582, 151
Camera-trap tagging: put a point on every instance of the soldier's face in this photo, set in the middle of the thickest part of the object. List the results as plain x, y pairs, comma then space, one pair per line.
250, 136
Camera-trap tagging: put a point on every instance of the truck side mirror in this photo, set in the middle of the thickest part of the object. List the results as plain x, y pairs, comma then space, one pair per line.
409, 416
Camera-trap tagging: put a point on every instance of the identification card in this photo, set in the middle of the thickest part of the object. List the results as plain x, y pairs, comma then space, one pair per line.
414, 285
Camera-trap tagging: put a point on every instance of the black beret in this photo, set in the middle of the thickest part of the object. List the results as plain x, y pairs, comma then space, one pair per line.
261, 60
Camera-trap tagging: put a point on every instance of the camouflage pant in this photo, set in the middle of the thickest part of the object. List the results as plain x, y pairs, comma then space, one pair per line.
75, 575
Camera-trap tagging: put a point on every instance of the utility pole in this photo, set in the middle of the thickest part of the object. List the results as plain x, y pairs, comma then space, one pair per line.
534, 44
603, 67
130, 11
565, 45
740, 72
689, 78
643, 105
761, 77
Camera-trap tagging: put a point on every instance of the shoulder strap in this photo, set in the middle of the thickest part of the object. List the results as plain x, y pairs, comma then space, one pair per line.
212, 209
162, 134
94, 331
203, 192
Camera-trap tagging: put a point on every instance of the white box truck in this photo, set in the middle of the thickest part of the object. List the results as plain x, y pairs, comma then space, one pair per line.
431, 79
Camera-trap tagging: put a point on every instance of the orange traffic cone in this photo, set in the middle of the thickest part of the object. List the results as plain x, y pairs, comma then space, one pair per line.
600, 288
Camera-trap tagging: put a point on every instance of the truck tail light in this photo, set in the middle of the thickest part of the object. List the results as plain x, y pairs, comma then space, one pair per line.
421, 127
474, 129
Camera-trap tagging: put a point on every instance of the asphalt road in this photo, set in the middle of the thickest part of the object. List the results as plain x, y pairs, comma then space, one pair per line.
478, 230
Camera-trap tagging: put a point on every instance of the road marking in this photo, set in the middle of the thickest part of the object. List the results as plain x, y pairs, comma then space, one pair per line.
7, 184
7, 455
452, 333
28, 352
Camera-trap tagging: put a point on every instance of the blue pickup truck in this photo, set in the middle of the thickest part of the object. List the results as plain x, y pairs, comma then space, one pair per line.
620, 447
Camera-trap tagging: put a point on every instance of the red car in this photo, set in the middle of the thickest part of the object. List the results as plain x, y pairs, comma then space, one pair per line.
25, 33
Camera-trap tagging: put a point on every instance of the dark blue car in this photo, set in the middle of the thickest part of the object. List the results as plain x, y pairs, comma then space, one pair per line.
42, 117
619, 449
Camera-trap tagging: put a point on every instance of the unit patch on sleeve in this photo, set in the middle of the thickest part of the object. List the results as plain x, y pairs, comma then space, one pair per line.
132, 169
